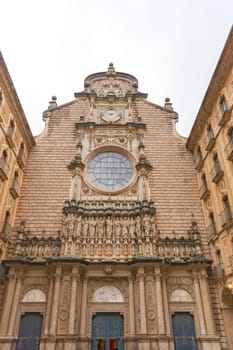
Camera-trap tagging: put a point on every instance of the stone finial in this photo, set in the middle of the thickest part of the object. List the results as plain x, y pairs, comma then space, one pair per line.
111, 69
168, 104
53, 102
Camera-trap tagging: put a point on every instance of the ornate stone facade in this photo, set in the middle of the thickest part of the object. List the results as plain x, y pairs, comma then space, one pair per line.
109, 242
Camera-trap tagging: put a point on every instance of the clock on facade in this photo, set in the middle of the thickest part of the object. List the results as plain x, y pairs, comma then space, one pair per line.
111, 115
109, 171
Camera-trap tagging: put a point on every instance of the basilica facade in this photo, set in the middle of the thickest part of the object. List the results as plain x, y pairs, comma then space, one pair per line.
110, 247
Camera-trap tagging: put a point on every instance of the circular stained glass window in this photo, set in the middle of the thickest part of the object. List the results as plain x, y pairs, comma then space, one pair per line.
110, 171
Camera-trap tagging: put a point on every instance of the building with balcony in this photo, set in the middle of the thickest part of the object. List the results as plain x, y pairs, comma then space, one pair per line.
16, 141
211, 141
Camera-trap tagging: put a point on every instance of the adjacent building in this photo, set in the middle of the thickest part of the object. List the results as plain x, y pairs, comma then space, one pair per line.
116, 243
211, 141
16, 140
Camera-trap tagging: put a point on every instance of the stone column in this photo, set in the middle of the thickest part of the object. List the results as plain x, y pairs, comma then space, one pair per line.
131, 307
165, 303
159, 301
199, 304
142, 301
8, 302
206, 302
73, 298
15, 303
55, 300
83, 307
48, 306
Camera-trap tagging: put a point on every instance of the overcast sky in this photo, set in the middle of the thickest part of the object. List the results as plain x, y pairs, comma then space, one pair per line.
171, 46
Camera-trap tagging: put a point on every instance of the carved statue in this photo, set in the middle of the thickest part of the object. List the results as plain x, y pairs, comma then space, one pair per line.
100, 228
91, 229
85, 228
138, 226
132, 228
109, 227
79, 226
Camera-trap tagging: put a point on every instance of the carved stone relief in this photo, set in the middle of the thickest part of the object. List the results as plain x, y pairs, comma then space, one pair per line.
108, 290
63, 314
150, 305
108, 294
34, 295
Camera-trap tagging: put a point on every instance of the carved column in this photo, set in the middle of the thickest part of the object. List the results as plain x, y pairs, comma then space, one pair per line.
55, 301
159, 301
84, 307
142, 301
199, 304
15, 303
8, 302
73, 298
206, 302
131, 307
49, 306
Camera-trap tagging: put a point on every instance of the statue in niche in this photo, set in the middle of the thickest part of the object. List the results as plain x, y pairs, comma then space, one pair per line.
138, 226
85, 227
147, 226
109, 227
143, 186
91, 228
76, 181
117, 229
78, 227
131, 228
125, 228
100, 227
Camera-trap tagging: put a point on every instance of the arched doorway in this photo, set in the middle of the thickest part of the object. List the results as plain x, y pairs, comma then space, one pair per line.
107, 331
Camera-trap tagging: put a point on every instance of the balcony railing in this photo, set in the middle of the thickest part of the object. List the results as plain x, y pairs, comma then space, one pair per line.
224, 114
209, 140
198, 161
15, 189
211, 230
204, 191
6, 231
218, 271
229, 150
226, 216
216, 172
4, 169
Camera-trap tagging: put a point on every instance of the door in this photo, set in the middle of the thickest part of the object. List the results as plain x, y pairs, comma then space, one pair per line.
29, 331
107, 331
184, 331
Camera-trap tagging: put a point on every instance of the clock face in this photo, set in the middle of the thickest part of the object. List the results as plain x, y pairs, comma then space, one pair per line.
109, 171
111, 115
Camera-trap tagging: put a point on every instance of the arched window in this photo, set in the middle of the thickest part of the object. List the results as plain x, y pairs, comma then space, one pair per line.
223, 104
211, 229
229, 147
15, 189
21, 155
204, 192
216, 172
6, 228
199, 158
209, 141
226, 215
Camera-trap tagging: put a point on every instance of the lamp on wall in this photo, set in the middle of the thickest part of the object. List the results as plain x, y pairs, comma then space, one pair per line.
230, 287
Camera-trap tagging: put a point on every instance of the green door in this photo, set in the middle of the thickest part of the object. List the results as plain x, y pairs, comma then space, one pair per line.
107, 331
